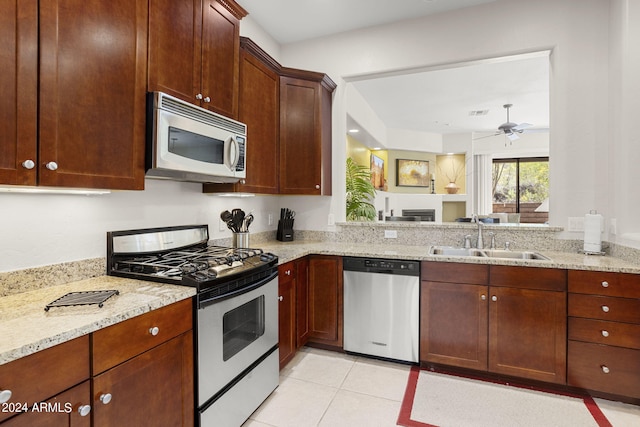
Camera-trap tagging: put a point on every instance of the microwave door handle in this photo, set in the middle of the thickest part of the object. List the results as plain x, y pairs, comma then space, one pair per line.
234, 151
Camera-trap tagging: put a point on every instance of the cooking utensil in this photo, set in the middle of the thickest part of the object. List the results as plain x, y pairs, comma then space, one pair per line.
247, 222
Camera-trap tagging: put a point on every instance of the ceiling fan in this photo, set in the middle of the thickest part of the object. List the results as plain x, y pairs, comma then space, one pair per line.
510, 129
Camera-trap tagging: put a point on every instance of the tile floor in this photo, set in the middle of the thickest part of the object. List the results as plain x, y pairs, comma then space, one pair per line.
329, 389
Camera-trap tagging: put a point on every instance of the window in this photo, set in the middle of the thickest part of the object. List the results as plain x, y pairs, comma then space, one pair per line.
521, 186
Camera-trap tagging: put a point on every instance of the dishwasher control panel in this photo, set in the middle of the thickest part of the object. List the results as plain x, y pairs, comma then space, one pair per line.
378, 265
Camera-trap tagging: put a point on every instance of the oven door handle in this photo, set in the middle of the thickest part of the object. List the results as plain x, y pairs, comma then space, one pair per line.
202, 303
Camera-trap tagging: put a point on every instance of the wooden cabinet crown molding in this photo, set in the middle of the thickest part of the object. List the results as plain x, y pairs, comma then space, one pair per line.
234, 8
250, 46
322, 78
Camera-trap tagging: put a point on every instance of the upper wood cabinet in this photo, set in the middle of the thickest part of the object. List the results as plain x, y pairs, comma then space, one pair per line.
89, 93
194, 48
305, 132
19, 89
259, 109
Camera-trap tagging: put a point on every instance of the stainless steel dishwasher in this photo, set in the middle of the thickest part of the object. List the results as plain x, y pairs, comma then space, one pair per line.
381, 307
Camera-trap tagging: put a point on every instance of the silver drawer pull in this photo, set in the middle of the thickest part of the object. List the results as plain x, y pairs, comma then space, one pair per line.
154, 331
605, 369
483, 297
605, 308
494, 298
605, 333
605, 284
280, 298
5, 395
105, 398
84, 410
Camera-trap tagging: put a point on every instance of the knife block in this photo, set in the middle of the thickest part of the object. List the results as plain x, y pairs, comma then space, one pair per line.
285, 230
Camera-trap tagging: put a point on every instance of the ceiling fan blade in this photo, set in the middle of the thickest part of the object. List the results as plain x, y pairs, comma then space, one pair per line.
512, 136
522, 126
487, 136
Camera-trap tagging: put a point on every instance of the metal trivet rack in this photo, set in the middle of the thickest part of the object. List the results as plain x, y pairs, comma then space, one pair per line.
82, 298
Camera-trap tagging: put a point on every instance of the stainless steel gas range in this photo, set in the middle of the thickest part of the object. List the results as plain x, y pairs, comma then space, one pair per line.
236, 312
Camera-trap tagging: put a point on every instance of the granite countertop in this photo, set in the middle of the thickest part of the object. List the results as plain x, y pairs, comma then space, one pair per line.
288, 251
25, 327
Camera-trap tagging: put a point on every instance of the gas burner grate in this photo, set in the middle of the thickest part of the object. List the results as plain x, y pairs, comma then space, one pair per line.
82, 298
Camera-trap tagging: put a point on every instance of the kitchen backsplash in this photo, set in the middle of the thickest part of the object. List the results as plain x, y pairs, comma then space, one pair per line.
412, 234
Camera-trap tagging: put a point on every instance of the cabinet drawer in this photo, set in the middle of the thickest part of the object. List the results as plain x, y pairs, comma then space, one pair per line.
605, 308
604, 283
549, 279
604, 368
120, 342
450, 272
44, 374
603, 332
286, 272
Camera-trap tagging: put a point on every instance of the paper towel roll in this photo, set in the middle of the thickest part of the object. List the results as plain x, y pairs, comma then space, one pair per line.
592, 233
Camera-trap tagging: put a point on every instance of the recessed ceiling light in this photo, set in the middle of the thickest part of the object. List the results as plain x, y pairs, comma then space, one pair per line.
354, 130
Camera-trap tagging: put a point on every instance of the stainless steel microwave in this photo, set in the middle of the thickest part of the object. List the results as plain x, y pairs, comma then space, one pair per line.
189, 143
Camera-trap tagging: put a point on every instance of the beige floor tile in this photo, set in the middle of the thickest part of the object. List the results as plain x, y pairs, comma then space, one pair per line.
620, 414
295, 403
349, 409
377, 378
320, 367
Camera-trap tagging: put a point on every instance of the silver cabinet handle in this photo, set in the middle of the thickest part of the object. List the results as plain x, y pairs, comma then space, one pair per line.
605, 333
317, 186
288, 272
105, 398
605, 284
605, 369
28, 164
494, 298
483, 297
605, 308
199, 96
5, 395
207, 99
51, 166
280, 298
154, 331
84, 410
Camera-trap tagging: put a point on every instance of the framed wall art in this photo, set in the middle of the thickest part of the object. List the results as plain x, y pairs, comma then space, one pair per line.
377, 172
412, 173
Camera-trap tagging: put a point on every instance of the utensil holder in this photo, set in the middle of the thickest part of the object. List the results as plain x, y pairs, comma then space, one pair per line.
240, 240
285, 230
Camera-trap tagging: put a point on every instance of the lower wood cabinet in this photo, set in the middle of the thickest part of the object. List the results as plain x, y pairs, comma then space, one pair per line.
501, 319
325, 300
143, 369
604, 332
154, 388
287, 312
42, 377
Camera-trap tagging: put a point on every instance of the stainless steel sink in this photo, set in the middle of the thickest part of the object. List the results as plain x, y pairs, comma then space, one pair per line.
509, 254
452, 251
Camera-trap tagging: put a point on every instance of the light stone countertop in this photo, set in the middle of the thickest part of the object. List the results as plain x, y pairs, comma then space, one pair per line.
288, 251
25, 327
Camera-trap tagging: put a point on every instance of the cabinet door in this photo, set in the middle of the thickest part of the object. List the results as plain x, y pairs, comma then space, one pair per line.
453, 324
152, 389
286, 315
175, 28
93, 61
220, 58
300, 137
64, 410
325, 300
302, 302
18, 87
528, 333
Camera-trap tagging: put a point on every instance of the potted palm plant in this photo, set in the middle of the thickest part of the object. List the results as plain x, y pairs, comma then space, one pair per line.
360, 192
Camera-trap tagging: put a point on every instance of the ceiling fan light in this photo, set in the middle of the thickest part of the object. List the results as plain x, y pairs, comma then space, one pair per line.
512, 136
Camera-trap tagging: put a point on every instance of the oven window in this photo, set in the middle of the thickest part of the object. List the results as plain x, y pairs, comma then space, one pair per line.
194, 146
242, 326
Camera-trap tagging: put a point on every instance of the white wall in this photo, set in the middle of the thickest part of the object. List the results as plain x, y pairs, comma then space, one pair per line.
581, 143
